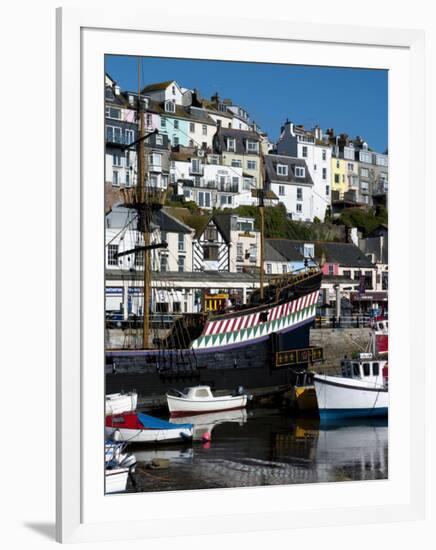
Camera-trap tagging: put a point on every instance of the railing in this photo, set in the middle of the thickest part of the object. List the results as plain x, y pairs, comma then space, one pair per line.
120, 139
346, 321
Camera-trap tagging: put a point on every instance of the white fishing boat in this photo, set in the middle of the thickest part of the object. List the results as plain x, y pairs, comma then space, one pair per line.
116, 479
200, 400
361, 391
117, 403
134, 427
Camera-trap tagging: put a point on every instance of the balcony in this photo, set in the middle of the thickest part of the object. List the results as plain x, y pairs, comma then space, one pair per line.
228, 187
119, 139
196, 170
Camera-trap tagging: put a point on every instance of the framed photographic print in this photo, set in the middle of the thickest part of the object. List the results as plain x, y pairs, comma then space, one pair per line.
229, 297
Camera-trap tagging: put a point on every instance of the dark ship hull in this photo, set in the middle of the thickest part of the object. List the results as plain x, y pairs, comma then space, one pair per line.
261, 348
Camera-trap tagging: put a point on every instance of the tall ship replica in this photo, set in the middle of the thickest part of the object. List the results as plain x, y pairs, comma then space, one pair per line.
261, 345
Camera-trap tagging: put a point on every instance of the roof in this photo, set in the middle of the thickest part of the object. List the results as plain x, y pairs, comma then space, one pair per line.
287, 249
157, 86
268, 194
271, 162
168, 223
273, 255
240, 137
224, 224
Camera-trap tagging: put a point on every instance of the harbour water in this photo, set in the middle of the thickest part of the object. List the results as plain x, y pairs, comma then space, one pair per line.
265, 447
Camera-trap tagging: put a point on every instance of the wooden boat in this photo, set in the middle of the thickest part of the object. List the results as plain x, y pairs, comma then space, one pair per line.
117, 403
135, 427
200, 400
361, 391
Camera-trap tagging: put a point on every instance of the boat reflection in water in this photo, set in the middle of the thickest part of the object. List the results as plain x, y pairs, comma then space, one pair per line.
205, 423
264, 447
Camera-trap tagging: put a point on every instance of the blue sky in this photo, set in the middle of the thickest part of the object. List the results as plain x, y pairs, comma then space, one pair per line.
354, 101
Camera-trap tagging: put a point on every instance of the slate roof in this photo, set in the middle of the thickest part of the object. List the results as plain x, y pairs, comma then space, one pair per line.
240, 136
271, 162
273, 255
168, 223
157, 86
290, 250
224, 224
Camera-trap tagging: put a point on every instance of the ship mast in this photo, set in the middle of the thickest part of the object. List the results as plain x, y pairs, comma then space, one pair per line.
261, 195
145, 218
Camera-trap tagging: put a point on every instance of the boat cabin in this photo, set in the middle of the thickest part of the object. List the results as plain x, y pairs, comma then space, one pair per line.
365, 367
198, 392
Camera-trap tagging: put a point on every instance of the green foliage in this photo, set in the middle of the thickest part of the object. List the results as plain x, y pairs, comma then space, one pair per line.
365, 220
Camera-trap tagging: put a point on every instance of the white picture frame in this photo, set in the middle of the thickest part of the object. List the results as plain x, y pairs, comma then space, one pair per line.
83, 512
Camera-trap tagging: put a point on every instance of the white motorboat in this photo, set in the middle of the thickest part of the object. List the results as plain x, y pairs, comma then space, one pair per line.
361, 391
200, 400
134, 427
116, 479
117, 403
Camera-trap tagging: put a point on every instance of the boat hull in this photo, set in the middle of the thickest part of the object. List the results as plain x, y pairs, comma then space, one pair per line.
129, 435
339, 397
116, 480
179, 406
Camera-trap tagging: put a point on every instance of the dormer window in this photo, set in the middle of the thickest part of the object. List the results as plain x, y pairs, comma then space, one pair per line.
231, 144
282, 170
252, 146
300, 172
170, 107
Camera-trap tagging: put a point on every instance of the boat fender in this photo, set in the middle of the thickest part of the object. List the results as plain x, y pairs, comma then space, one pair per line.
116, 436
206, 437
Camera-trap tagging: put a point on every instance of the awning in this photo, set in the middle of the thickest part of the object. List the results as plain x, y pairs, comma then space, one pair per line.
369, 296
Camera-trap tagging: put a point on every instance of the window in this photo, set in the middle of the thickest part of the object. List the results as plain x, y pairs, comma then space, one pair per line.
170, 107
365, 157
163, 122
192, 126
304, 151
191, 143
181, 242
281, 190
357, 275
337, 164
324, 155
343, 178
129, 136
368, 280
364, 172
155, 159
282, 170
176, 125
235, 183
300, 172
112, 251
231, 144
356, 370
210, 253
176, 140
127, 179
116, 159
346, 274
299, 193
173, 90
327, 190
213, 159
154, 180
115, 178
350, 167
239, 252
246, 184
314, 167
204, 129
164, 263
331, 269
269, 269
375, 369
111, 112
159, 139
299, 207
148, 120
284, 268
195, 166
324, 173
366, 370
226, 200
252, 146
181, 263
336, 178
251, 164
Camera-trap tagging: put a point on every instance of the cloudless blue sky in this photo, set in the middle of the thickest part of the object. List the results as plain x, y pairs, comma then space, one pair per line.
354, 101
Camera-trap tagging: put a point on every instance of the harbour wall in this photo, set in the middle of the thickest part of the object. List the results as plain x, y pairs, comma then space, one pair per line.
337, 343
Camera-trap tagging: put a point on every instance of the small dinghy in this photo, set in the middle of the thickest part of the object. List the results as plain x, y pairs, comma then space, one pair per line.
200, 400
117, 403
134, 427
118, 467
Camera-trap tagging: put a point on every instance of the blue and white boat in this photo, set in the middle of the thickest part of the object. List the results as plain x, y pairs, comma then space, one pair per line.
361, 391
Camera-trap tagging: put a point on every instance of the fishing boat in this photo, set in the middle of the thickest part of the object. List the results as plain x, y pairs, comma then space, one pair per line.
200, 400
361, 390
135, 427
116, 479
381, 334
259, 344
117, 403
